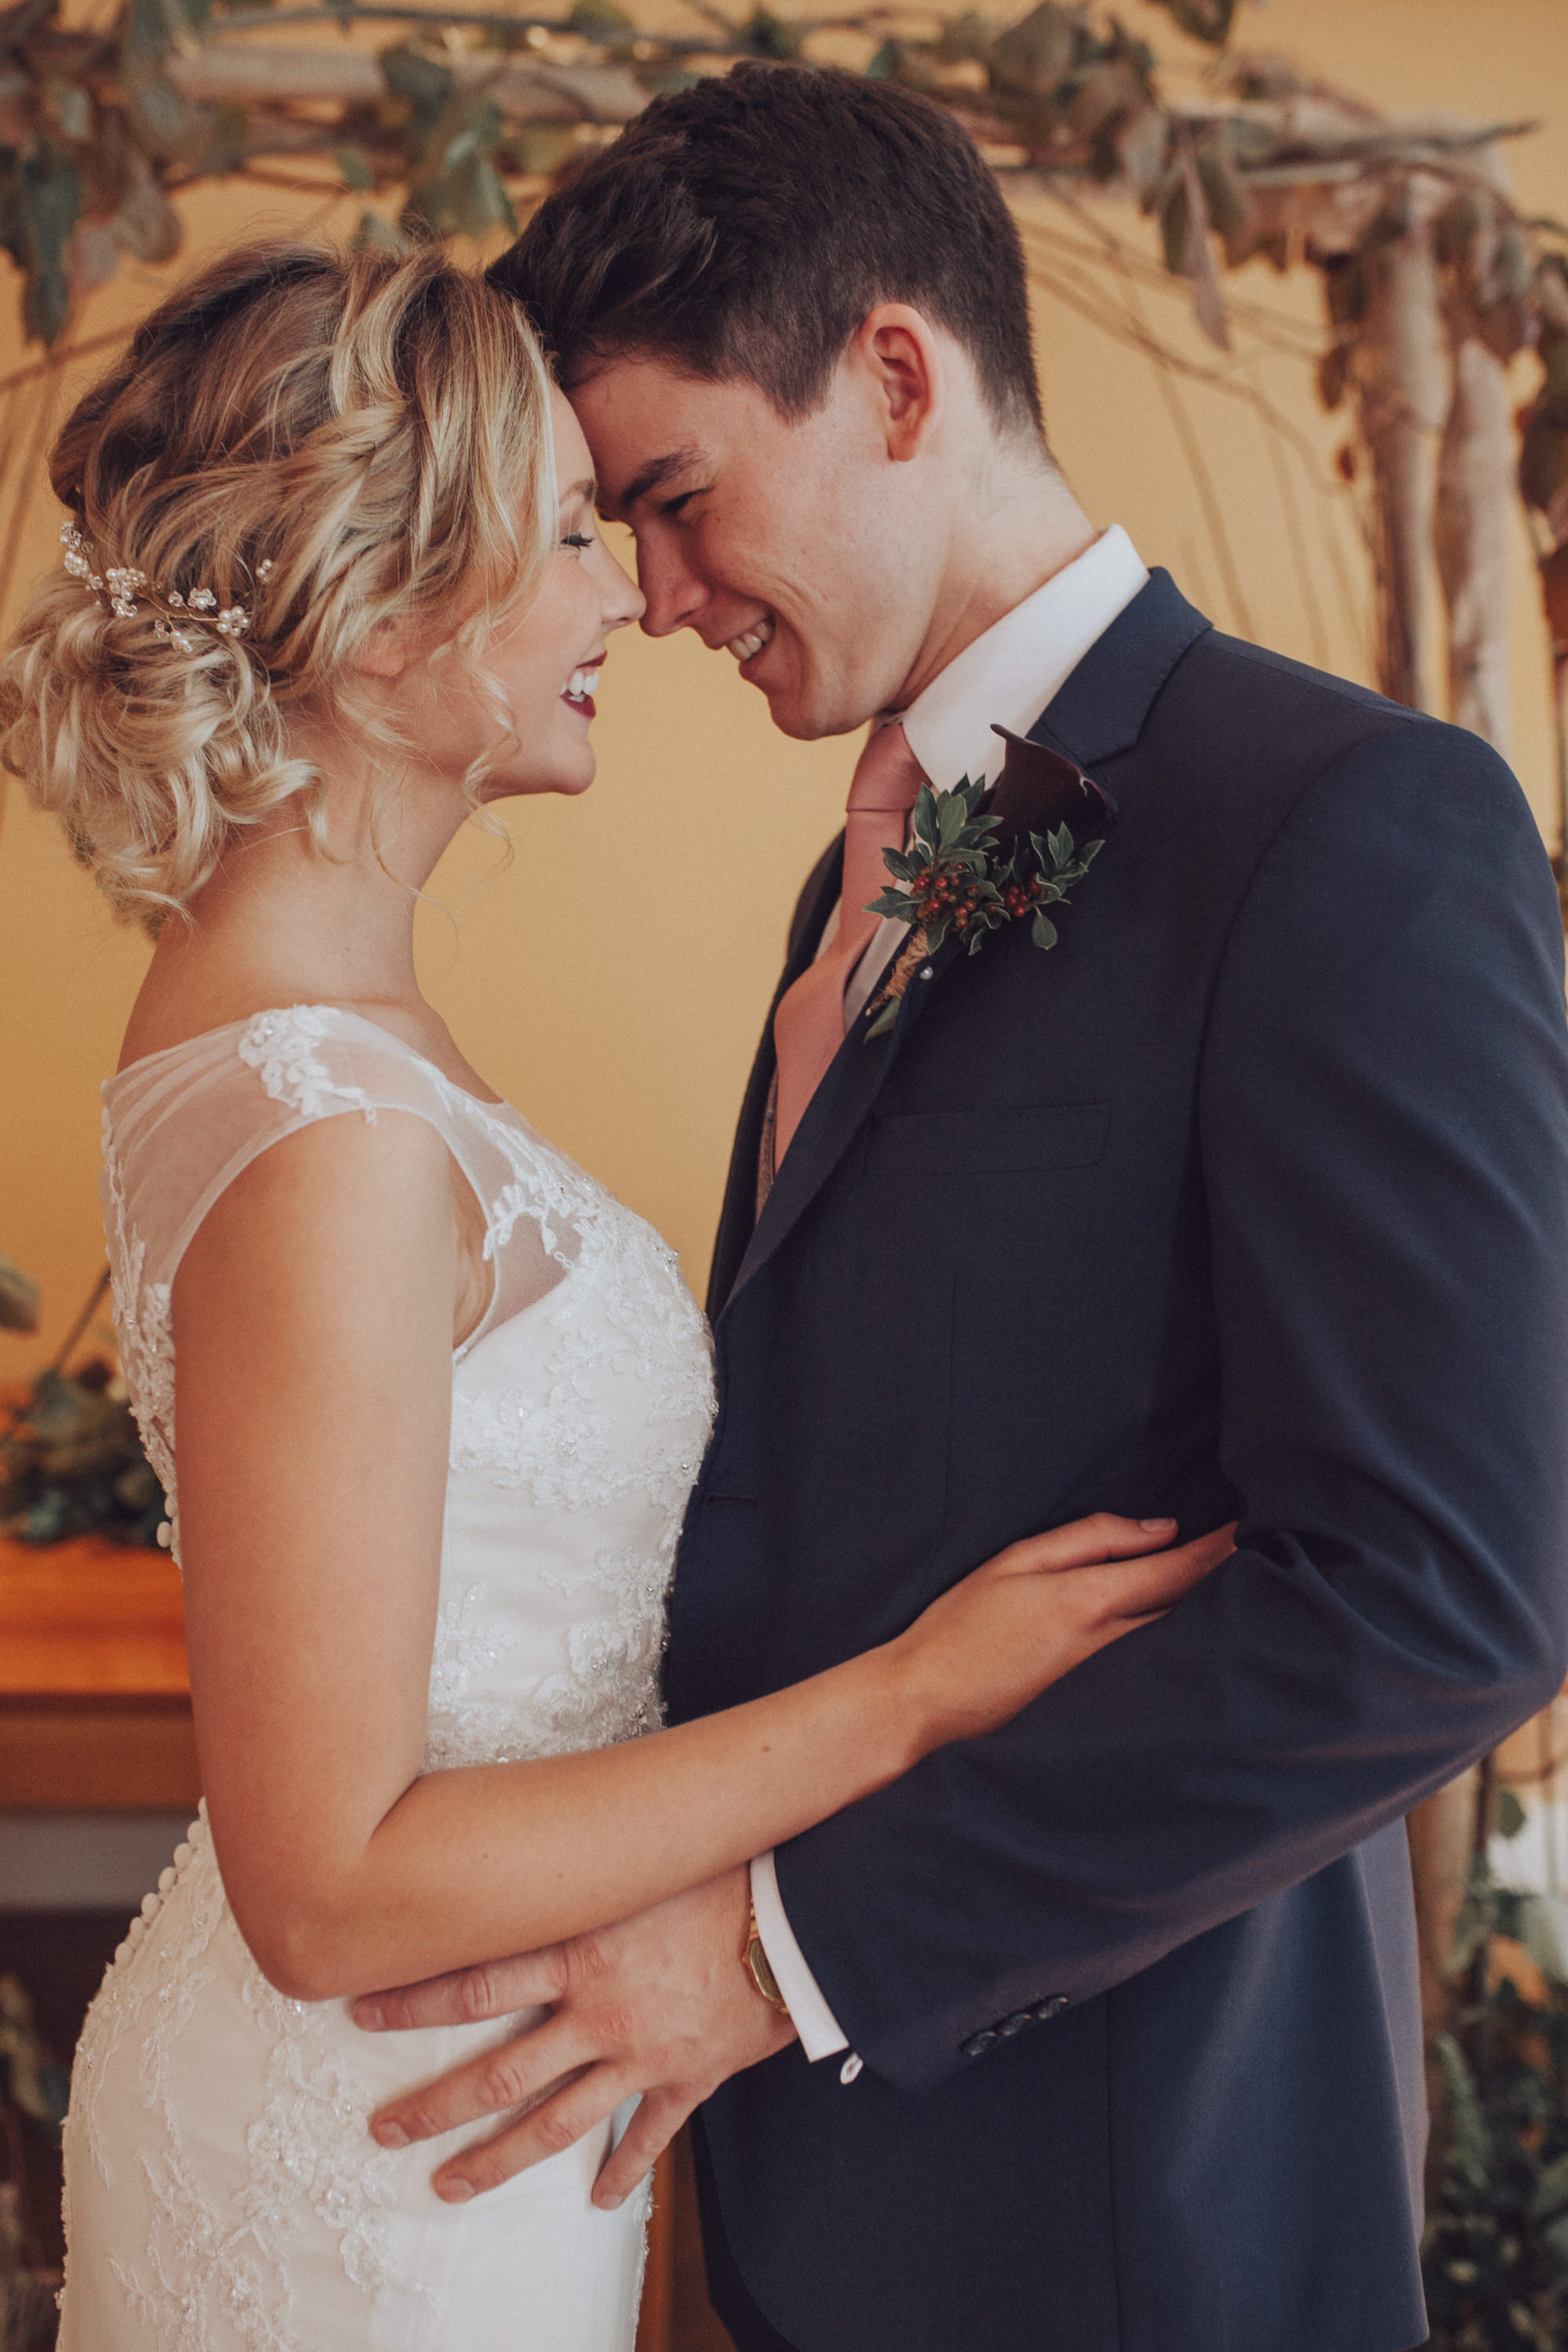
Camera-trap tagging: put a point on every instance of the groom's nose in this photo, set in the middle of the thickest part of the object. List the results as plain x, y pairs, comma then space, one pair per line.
675, 592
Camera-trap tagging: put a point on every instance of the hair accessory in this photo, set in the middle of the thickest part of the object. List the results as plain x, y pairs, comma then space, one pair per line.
120, 587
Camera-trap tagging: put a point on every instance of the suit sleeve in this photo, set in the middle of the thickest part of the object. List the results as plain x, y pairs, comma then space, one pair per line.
1383, 1124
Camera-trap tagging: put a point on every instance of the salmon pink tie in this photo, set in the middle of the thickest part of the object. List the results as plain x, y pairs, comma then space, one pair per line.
808, 1027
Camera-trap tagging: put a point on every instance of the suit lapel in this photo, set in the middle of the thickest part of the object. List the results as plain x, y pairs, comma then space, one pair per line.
739, 1215
1100, 710
1103, 707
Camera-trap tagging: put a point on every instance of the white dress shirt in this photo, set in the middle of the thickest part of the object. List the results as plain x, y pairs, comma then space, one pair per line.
1006, 678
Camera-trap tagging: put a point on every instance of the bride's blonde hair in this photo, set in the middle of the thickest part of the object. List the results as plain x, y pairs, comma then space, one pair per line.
324, 441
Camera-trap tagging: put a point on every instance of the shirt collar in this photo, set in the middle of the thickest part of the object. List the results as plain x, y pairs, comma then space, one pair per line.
1008, 675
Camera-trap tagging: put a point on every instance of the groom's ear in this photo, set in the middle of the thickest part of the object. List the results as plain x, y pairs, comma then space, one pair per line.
903, 362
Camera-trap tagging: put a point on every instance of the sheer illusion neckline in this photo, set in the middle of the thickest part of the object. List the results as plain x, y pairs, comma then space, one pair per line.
281, 1011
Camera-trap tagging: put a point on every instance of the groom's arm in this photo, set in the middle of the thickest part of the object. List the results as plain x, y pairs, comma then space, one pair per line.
1384, 1130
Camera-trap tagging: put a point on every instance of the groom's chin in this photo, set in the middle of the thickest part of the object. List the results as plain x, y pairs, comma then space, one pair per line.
805, 720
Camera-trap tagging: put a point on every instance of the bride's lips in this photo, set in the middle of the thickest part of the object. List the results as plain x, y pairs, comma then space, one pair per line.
578, 692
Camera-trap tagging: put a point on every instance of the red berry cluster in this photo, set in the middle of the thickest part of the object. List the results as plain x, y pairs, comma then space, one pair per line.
1018, 897
949, 891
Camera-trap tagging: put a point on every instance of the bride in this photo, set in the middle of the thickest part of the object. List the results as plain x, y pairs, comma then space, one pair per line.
331, 581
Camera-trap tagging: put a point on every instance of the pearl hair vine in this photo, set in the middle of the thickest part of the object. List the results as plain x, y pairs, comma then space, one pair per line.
123, 589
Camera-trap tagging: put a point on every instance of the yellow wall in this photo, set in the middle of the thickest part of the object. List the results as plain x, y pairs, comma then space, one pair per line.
612, 978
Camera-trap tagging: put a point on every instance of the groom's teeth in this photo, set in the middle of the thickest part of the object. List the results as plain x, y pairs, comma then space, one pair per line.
750, 641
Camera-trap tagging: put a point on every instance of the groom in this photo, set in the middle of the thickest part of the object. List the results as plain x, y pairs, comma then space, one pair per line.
1246, 1199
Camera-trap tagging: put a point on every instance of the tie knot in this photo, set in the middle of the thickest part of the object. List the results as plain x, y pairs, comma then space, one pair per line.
887, 774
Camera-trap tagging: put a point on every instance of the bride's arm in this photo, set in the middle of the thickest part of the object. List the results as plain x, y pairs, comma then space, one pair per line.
313, 1319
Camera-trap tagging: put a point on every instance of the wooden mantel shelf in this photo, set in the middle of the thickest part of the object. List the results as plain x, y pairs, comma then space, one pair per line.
95, 1706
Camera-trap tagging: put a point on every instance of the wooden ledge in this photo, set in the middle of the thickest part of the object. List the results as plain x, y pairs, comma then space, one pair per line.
95, 1708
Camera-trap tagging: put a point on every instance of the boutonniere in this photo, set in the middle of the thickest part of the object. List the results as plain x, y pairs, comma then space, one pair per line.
970, 870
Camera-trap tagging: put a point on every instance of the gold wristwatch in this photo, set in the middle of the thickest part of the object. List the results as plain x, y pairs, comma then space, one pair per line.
754, 1959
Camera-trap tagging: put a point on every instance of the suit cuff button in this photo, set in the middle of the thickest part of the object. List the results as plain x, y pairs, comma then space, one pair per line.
978, 2043
1052, 2006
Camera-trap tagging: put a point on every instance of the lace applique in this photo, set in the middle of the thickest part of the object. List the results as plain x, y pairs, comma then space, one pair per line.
560, 1446
144, 1330
311, 2142
280, 1048
467, 1642
608, 1694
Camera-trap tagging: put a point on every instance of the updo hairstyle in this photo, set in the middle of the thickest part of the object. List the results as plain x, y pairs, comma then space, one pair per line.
325, 440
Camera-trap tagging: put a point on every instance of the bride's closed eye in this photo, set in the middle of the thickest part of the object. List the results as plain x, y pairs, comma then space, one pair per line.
578, 539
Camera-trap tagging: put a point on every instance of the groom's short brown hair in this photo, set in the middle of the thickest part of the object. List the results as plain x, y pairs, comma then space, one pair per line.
743, 229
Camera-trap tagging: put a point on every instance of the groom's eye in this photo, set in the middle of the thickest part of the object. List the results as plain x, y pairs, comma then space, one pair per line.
672, 507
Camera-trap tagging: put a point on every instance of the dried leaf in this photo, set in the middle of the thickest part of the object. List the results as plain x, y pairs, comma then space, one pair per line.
1143, 145
374, 235
70, 107
771, 36
1033, 56
356, 168
599, 20
1554, 593
18, 1299
1230, 206
1542, 460
145, 224
165, 123
1549, 291
425, 88
92, 257
1205, 20
1197, 258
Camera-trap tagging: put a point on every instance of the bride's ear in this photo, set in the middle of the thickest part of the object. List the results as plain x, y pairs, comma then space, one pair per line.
388, 649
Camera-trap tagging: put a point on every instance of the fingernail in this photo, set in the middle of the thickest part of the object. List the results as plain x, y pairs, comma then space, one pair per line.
1161, 1522
611, 2204
368, 2016
390, 2135
454, 2192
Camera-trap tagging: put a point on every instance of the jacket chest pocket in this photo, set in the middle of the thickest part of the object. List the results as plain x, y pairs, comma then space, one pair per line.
1002, 1140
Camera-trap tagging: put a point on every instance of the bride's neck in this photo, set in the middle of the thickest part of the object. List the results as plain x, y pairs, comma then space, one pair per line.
286, 919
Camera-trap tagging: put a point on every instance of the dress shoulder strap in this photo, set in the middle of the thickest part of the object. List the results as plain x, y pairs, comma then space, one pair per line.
180, 1126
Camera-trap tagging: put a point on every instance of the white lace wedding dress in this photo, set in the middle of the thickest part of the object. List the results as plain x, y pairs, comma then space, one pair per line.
222, 2188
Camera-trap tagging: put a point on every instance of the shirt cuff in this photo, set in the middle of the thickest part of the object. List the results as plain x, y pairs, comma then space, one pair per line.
821, 2035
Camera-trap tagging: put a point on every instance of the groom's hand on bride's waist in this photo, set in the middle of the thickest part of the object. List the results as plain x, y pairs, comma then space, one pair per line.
661, 2005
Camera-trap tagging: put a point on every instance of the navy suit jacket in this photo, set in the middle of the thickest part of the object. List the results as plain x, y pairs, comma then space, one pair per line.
1249, 1200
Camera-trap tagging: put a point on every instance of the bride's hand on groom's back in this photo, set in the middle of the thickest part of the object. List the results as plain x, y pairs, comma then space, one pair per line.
993, 1643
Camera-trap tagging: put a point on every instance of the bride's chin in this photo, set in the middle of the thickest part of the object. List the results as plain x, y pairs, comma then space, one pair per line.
529, 787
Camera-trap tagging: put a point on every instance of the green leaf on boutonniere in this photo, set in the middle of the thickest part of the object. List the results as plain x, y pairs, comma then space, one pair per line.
956, 875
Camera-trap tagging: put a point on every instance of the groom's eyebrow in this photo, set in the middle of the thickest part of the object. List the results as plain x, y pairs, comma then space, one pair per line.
656, 474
